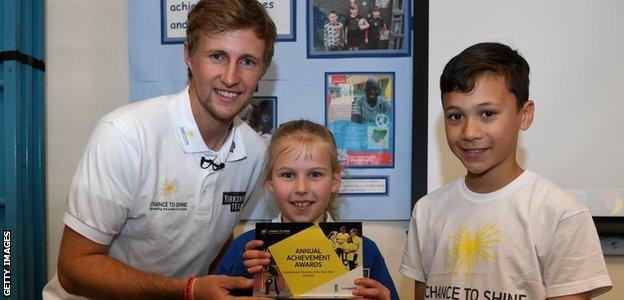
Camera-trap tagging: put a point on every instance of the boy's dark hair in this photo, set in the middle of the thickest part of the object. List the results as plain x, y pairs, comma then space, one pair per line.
375, 8
461, 72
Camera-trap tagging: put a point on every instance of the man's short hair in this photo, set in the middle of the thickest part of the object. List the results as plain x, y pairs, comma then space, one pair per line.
218, 16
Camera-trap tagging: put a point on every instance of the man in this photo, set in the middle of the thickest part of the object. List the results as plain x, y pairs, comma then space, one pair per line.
365, 109
162, 182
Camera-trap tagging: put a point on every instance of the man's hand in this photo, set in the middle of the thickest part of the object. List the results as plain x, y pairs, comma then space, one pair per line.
219, 286
371, 289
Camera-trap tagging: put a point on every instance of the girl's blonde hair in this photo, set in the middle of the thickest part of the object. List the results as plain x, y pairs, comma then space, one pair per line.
303, 134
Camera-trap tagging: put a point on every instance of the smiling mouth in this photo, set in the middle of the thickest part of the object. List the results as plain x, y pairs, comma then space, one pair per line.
302, 204
475, 151
226, 94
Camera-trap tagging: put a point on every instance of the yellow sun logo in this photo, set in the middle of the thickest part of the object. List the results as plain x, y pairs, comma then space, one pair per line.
169, 188
467, 250
190, 134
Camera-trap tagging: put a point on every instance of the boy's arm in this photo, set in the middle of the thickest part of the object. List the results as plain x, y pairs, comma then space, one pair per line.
84, 268
579, 296
419, 290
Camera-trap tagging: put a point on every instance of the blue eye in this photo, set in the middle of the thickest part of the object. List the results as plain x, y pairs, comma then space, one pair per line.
217, 58
248, 63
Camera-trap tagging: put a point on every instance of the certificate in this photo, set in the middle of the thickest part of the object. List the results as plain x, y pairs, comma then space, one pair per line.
310, 260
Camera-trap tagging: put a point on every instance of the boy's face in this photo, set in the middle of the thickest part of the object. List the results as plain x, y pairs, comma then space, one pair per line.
332, 18
375, 14
482, 127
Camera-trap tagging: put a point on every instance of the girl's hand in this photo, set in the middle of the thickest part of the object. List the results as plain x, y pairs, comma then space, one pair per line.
253, 259
371, 289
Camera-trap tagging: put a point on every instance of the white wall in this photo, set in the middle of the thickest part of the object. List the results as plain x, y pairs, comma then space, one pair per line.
87, 76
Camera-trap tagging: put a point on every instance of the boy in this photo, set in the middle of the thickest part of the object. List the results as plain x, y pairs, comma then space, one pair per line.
333, 32
499, 232
377, 26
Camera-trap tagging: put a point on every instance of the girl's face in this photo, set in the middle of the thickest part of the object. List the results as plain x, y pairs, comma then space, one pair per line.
302, 180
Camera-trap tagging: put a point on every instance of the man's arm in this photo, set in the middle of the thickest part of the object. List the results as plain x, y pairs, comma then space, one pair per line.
84, 268
356, 112
419, 290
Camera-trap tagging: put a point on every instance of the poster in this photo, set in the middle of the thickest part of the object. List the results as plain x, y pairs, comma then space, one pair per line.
174, 12
360, 114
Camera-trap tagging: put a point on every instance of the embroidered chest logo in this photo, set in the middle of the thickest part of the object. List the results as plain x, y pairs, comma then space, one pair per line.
467, 250
234, 199
166, 202
187, 135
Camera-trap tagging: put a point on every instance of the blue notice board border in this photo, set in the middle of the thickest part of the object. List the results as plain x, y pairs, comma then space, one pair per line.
164, 39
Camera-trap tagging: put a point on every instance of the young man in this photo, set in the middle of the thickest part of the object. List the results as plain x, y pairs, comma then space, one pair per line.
162, 182
365, 109
499, 232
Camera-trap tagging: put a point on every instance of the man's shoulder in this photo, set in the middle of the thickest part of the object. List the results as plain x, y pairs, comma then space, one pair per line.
149, 110
254, 143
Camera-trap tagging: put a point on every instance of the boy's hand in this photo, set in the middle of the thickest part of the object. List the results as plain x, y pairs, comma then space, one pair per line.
253, 259
371, 289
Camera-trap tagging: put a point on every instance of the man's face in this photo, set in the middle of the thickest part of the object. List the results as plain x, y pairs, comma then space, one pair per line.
482, 126
372, 90
225, 70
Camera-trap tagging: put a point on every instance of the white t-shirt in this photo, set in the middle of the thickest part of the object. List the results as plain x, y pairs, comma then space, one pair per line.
528, 240
139, 186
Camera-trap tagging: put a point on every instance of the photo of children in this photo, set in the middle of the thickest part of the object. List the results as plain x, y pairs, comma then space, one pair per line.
358, 28
360, 114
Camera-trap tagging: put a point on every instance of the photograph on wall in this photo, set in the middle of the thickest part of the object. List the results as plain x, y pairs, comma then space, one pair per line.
261, 115
174, 14
358, 28
360, 113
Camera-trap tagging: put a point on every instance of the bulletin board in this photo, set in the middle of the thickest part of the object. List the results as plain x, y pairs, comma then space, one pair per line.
296, 87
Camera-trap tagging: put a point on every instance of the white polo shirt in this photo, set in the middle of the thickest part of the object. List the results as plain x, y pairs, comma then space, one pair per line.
139, 186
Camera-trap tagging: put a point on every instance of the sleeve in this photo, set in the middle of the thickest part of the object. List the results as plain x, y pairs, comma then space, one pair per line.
356, 107
231, 263
101, 191
378, 269
325, 36
411, 266
575, 263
